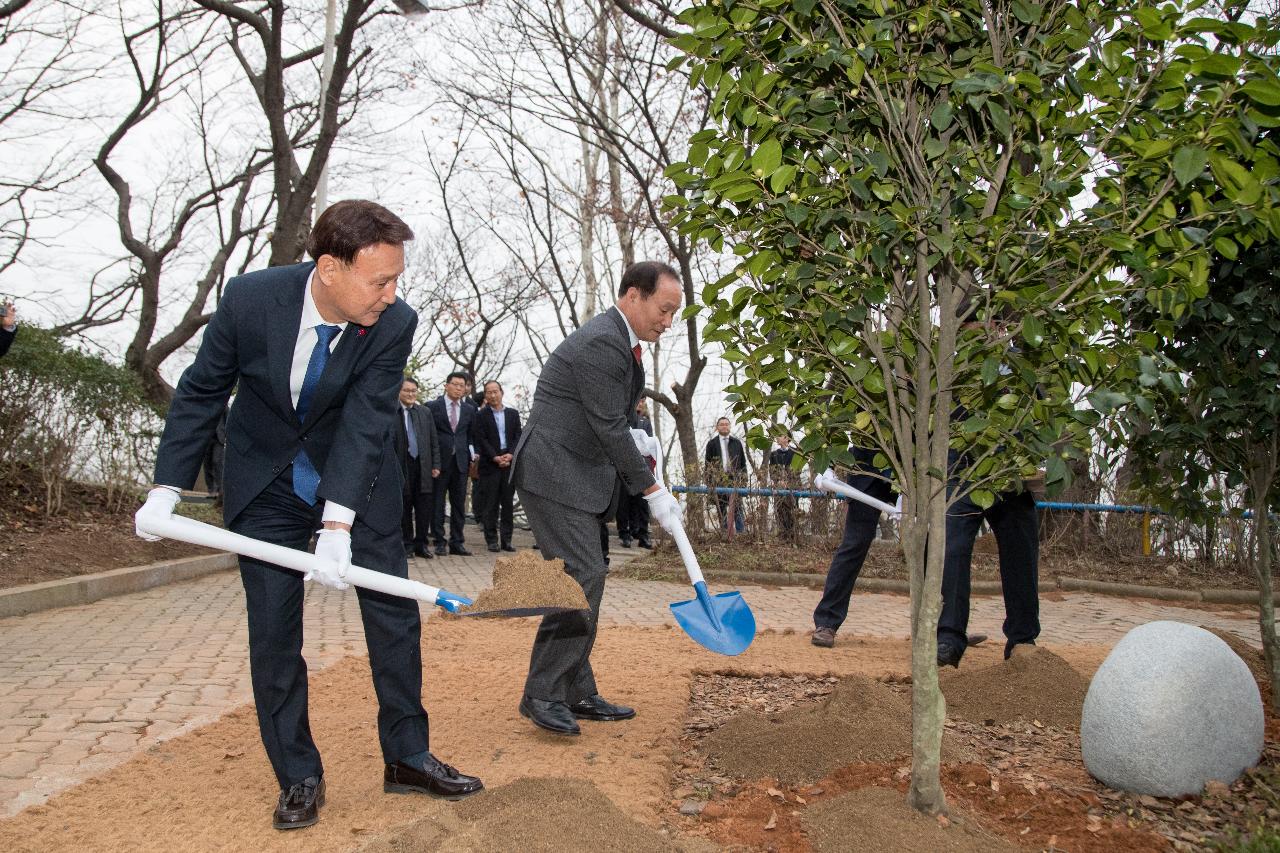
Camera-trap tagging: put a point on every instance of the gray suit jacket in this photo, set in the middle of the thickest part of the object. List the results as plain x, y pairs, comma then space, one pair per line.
576, 446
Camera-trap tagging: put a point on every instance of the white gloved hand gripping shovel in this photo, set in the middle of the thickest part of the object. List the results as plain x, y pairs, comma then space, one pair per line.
722, 623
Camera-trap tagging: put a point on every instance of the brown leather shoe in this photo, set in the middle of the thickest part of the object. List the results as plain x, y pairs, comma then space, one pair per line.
299, 804
429, 776
825, 637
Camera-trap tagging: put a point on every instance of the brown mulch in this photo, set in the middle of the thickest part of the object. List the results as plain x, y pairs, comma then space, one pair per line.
862, 720
1252, 658
1033, 685
93, 533
1023, 782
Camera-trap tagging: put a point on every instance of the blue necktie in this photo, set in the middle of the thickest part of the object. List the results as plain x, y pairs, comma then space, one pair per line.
306, 479
410, 435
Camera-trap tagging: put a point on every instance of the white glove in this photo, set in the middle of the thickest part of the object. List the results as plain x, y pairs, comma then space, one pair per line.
820, 482
641, 438
665, 509
159, 507
333, 554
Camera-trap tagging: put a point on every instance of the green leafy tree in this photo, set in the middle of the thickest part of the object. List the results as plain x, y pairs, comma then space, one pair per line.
1209, 411
886, 173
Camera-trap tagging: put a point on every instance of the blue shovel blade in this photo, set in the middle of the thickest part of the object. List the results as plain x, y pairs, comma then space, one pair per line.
722, 623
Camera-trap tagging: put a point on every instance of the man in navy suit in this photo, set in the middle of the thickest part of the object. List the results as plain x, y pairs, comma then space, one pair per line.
454, 414
497, 432
316, 352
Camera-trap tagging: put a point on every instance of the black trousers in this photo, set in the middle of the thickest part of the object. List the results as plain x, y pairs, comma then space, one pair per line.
633, 517
415, 524
451, 484
274, 599
495, 497
860, 524
1013, 521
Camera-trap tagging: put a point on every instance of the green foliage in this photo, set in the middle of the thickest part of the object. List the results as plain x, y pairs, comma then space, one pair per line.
878, 168
1207, 412
67, 413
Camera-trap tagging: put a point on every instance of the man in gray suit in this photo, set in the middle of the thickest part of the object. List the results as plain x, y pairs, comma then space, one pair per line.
418, 449
574, 459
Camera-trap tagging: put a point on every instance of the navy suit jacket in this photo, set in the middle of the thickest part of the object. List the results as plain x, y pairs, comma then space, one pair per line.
486, 435
248, 346
454, 443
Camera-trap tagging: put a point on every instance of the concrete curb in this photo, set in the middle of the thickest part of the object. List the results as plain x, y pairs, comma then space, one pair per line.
83, 589
1063, 584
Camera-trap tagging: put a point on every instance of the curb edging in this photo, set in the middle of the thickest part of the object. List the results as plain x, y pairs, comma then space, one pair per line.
85, 589
1062, 584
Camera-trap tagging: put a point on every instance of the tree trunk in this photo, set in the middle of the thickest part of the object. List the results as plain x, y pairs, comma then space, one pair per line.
924, 547
1260, 487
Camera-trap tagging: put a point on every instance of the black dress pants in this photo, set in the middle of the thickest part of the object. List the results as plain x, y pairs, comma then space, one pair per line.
495, 502
274, 600
1013, 521
451, 484
860, 524
415, 524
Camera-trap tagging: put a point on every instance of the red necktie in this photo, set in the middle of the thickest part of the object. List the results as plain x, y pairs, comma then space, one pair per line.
635, 350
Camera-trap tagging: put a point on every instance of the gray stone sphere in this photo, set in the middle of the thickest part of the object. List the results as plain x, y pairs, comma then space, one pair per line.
1170, 709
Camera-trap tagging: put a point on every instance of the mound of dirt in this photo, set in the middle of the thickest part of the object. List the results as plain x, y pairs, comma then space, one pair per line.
550, 815
861, 721
1252, 658
527, 582
1033, 684
878, 820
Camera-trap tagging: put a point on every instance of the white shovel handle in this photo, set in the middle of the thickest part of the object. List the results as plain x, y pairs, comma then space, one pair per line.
198, 533
840, 487
653, 450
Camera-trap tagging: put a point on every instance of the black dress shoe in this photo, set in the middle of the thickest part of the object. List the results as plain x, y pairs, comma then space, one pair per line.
459, 551
509, 547
949, 654
626, 543
552, 716
644, 543
422, 551
595, 707
299, 804
441, 550
428, 776
494, 548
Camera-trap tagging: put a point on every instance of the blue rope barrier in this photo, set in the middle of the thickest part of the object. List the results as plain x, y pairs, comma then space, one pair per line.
806, 493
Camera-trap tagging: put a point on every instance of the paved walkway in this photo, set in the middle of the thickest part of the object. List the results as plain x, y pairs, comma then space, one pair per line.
84, 688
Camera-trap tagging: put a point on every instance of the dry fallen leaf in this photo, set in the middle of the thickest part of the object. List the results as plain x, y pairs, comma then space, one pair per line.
774, 792
944, 821
801, 800
773, 821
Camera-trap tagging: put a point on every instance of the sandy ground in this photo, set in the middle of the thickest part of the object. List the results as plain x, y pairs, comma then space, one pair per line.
212, 789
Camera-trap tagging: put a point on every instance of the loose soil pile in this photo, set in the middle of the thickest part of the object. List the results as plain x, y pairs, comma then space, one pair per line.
1034, 685
526, 584
861, 721
535, 815
878, 820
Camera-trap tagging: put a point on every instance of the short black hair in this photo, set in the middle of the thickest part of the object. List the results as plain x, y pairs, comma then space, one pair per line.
348, 226
458, 374
723, 418
644, 275
494, 382
410, 380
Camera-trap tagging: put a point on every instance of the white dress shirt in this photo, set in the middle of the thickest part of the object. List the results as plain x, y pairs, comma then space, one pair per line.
724, 453
306, 342
500, 419
631, 335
